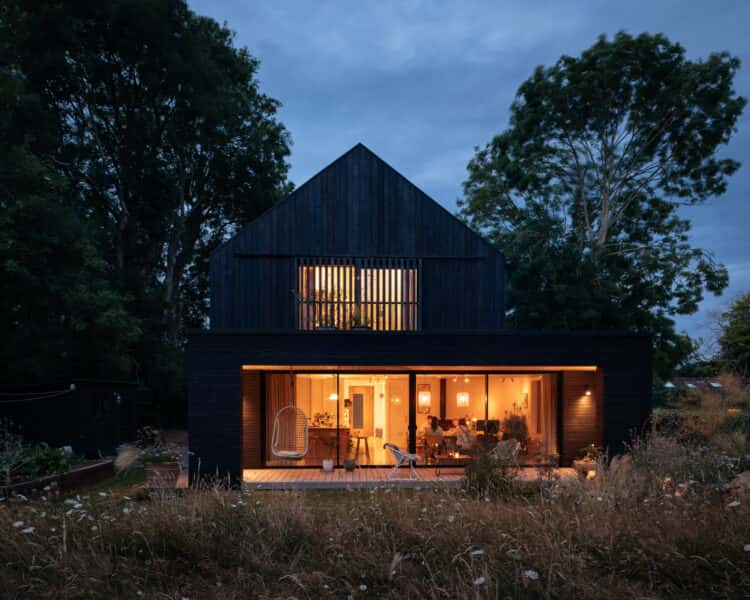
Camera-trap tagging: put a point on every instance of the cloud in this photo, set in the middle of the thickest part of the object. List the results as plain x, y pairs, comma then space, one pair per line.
423, 82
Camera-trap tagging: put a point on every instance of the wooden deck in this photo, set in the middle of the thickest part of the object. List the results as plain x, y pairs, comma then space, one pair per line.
317, 479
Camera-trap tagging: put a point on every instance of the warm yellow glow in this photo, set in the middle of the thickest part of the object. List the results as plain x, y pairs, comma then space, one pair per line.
424, 399
462, 399
396, 400
734, 410
419, 368
466, 380
591, 474
333, 397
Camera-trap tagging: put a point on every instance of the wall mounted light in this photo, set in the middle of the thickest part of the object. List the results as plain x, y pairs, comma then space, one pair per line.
333, 397
424, 398
466, 379
587, 390
395, 400
462, 399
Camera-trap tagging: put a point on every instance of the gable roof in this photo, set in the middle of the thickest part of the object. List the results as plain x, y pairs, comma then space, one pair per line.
379, 194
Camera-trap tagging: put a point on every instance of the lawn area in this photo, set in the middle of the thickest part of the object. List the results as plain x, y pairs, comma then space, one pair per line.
630, 533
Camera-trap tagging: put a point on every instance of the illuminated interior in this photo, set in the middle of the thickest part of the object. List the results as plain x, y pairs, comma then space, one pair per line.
374, 294
352, 415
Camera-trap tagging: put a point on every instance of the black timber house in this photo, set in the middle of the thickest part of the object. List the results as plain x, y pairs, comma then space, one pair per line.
358, 312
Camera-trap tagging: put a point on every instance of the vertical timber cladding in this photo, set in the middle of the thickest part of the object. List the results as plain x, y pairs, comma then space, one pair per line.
581, 413
251, 420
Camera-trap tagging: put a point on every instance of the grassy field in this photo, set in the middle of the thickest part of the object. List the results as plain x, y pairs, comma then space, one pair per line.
657, 522
632, 533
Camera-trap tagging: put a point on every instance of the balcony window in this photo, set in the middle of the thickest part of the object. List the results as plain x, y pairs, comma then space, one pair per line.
379, 294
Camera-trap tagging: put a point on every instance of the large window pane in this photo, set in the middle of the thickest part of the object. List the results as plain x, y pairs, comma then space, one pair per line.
374, 410
524, 408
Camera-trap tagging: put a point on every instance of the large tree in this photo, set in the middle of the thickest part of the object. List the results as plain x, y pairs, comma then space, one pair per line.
582, 191
734, 341
60, 316
167, 137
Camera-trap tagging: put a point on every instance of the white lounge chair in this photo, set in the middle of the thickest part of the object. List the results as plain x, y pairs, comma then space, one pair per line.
401, 458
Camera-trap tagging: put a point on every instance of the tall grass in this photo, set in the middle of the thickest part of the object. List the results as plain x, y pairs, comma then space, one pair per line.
644, 528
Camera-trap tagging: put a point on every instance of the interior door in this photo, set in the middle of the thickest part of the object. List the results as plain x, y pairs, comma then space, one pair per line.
362, 408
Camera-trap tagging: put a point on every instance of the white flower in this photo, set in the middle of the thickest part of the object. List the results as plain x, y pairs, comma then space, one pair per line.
103, 494
733, 504
451, 518
747, 547
599, 498
126, 510
28, 530
362, 587
477, 552
18, 524
479, 581
531, 574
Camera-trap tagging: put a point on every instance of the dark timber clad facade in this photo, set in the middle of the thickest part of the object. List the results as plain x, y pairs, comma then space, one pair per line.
359, 209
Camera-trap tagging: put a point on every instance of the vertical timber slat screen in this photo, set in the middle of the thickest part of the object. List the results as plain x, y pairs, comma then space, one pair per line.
381, 294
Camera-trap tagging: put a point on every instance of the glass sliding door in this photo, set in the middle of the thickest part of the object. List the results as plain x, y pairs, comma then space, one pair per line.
524, 408
374, 410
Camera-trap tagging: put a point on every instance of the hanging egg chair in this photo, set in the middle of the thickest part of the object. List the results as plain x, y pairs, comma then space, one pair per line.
290, 435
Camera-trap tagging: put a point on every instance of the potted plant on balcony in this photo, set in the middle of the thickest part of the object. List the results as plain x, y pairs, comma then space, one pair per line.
359, 321
586, 465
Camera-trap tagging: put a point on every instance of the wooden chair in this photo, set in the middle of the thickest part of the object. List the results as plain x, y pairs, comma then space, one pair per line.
433, 444
360, 435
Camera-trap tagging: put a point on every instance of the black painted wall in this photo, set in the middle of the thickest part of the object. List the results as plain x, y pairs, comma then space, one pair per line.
622, 383
359, 207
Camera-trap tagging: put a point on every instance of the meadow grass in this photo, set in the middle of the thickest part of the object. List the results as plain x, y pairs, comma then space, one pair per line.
634, 532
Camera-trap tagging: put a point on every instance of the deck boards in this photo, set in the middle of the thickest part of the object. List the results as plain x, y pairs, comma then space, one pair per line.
317, 479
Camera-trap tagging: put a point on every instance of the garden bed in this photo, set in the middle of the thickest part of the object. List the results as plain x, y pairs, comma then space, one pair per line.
88, 473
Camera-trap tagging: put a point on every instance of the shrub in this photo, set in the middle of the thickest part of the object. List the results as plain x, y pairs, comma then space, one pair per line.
13, 452
661, 458
44, 460
488, 474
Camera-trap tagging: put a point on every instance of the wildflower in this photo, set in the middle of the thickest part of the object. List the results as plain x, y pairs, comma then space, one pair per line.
733, 504
362, 587
28, 530
479, 581
451, 518
18, 524
531, 574
599, 498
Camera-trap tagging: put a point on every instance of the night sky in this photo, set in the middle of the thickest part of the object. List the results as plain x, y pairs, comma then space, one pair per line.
423, 83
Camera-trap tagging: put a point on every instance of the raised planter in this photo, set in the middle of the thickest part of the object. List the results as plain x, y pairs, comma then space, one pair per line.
161, 475
86, 474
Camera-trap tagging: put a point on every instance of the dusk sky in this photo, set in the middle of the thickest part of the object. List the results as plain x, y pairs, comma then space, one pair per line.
422, 83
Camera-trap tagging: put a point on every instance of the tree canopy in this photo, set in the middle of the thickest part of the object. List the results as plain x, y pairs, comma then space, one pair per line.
734, 341
582, 191
165, 144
